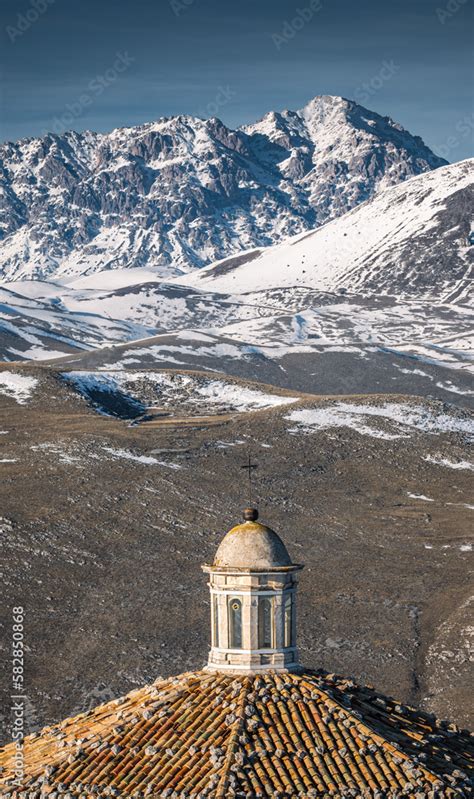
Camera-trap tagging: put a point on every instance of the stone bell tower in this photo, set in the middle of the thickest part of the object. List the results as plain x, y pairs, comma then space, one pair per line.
253, 581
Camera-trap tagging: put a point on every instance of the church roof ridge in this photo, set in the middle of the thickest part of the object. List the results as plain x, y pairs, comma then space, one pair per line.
311, 733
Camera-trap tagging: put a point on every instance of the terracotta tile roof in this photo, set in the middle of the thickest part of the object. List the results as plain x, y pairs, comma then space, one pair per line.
215, 735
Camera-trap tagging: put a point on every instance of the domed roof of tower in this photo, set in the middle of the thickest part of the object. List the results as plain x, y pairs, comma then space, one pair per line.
252, 546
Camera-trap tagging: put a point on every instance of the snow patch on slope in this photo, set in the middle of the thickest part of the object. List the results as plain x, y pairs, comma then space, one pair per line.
147, 460
19, 387
440, 461
400, 420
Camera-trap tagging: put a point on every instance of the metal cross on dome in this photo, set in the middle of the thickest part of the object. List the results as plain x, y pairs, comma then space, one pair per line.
250, 467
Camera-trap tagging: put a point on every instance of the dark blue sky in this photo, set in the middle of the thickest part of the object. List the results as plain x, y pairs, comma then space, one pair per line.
99, 64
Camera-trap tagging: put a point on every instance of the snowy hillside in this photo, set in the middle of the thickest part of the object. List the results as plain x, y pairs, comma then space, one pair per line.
408, 240
42, 319
131, 395
182, 192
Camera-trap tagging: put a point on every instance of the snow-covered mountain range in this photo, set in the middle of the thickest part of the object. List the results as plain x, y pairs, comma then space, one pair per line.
183, 192
106, 234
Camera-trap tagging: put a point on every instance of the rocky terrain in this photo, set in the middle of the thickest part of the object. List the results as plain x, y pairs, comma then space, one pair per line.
181, 192
106, 520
